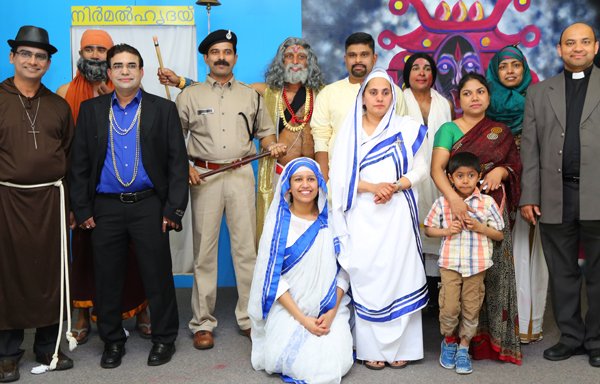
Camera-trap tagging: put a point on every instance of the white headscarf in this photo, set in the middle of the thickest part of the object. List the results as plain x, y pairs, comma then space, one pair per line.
344, 179
345, 162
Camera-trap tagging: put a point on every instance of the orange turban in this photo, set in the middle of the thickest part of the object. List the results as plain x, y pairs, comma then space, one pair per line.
96, 37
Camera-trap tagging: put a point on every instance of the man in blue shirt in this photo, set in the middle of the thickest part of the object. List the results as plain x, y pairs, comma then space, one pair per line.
129, 179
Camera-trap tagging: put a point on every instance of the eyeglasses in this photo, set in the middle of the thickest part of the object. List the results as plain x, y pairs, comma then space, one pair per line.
120, 66
41, 57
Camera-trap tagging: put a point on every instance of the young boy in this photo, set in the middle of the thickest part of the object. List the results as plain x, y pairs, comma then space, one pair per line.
465, 254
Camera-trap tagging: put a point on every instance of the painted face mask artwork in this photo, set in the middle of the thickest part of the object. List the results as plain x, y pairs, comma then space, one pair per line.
460, 39
456, 57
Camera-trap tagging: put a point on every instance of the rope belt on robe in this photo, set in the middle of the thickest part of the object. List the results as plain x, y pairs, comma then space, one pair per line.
64, 265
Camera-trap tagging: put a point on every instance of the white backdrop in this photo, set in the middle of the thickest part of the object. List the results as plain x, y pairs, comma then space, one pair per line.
179, 52
177, 44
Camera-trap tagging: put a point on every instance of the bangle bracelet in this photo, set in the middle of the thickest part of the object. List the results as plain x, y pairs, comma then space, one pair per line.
181, 84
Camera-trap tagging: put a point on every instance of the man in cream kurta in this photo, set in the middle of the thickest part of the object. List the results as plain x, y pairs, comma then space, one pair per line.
222, 116
336, 100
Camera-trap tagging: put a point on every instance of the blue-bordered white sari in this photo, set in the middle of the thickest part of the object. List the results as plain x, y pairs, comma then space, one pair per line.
298, 256
380, 247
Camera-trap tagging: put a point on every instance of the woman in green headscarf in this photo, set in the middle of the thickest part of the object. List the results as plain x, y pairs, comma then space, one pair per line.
509, 76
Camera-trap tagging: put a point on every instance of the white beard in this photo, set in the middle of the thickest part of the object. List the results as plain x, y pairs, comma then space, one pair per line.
295, 77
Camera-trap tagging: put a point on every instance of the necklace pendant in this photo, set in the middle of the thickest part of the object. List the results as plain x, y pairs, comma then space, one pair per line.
32, 121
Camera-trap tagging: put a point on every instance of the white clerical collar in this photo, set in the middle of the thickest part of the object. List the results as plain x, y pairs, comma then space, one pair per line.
578, 75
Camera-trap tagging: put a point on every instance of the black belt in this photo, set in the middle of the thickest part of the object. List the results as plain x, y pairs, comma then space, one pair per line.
571, 179
130, 197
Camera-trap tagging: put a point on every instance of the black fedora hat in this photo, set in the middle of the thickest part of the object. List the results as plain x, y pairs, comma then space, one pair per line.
31, 36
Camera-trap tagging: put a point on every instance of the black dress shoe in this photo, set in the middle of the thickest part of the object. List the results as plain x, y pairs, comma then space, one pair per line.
9, 370
161, 354
561, 351
595, 357
111, 357
64, 361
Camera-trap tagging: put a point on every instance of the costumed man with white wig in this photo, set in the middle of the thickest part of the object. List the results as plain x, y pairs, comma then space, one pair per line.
36, 130
376, 163
298, 307
292, 83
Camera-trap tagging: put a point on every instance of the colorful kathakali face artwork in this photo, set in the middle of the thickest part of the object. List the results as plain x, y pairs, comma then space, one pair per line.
460, 39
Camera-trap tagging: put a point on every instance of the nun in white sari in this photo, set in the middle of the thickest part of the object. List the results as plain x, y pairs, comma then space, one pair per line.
298, 308
376, 161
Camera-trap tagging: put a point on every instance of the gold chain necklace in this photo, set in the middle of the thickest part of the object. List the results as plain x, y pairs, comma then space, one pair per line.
307, 111
136, 162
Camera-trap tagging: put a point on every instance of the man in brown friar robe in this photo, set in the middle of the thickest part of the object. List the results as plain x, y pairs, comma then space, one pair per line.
36, 129
91, 81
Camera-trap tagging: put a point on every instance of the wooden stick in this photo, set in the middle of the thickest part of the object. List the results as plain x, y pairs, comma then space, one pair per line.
160, 63
235, 164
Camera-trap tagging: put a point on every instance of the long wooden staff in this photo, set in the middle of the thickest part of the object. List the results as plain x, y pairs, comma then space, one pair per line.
235, 164
160, 63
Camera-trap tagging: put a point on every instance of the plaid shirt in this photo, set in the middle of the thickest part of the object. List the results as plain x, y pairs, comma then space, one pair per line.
467, 252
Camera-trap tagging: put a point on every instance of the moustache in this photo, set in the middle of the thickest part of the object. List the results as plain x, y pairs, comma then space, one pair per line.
296, 67
222, 62
359, 65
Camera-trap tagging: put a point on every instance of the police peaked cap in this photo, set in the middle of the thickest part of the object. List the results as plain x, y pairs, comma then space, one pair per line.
215, 37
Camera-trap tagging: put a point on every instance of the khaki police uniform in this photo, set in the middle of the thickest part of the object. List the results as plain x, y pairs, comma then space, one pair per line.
219, 120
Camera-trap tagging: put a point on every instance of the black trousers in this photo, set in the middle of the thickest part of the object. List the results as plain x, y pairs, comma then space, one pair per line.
561, 248
11, 340
117, 224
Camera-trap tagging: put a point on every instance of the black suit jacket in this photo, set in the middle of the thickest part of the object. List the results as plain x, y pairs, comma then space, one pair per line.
163, 154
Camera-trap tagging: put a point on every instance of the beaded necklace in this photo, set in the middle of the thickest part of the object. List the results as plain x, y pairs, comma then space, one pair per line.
308, 110
115, 127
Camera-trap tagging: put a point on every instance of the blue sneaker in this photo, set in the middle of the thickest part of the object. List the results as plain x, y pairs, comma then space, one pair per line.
463, 361
448, 355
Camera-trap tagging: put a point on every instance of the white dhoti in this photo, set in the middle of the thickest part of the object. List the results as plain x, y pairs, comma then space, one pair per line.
531, 274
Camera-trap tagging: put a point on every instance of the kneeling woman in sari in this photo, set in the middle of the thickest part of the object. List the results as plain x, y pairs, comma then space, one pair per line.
493, 143
376, 161
297, 306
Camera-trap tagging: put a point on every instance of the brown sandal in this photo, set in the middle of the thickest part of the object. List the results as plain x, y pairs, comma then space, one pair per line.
398, 364
375, 365
81, 334
144, 330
